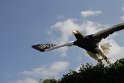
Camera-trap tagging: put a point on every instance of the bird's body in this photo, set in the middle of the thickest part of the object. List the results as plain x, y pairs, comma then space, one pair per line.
91, 43
87, 44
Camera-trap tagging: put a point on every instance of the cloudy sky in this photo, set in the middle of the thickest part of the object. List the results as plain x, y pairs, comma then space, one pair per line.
27, 22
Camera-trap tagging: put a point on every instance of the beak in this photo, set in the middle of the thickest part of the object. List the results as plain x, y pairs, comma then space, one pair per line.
74, 32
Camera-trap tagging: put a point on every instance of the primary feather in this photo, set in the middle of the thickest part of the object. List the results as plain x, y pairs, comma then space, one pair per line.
43, 47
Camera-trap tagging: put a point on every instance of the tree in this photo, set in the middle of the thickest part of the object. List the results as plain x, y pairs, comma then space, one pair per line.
50, 81
113, 73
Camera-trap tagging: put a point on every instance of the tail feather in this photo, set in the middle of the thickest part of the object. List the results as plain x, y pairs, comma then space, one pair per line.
105, 47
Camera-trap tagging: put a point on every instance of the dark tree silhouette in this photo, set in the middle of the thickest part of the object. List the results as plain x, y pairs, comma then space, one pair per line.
50, 81
113, 73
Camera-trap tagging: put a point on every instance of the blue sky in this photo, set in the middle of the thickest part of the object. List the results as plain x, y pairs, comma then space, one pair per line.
26, 22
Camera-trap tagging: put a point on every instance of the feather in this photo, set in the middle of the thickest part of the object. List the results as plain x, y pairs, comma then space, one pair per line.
48, 47
105, 47
105, 33
43, 47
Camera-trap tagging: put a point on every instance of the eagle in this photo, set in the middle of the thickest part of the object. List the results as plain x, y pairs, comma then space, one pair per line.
91, 43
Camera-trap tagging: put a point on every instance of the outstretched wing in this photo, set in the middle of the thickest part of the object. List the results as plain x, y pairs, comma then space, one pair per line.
105, 33
48, 47
43, 47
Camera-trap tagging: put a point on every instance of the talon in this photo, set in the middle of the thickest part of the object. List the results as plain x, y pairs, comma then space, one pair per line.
100, 61
107, 60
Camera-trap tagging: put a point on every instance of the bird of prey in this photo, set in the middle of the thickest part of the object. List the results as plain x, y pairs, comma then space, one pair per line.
91, 43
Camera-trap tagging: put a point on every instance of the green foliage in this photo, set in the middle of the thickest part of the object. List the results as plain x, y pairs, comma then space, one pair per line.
99, 73
50, 81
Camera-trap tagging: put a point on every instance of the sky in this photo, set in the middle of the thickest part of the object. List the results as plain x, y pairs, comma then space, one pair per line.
27, 22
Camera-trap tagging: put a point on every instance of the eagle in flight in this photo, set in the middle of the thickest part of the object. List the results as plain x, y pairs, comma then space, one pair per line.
91, 43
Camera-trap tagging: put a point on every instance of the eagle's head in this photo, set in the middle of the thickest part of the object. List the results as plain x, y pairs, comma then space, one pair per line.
77, 34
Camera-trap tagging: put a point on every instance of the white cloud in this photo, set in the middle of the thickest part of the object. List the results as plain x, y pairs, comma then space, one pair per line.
122, 17
65, 29
59, 66
27, 80
116, 51
88, 13
47, 71
86, 27
44, 72
90, 27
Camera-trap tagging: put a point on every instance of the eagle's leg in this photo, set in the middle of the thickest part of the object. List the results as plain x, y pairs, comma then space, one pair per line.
100, 61
95, 56
103, 55
107, 60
